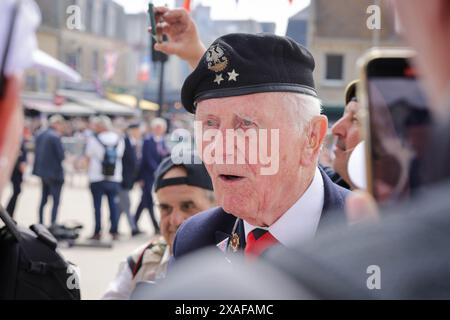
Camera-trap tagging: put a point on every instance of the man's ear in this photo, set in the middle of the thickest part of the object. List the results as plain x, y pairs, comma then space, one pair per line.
315, 134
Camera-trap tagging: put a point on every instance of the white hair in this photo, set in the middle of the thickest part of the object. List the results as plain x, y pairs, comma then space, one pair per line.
55, 119
304, 108
104, 122
158, 122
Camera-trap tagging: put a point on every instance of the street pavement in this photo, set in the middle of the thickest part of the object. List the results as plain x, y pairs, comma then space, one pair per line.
98, 266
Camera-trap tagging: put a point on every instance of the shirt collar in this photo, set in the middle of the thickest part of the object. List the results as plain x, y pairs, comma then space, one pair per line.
299, 223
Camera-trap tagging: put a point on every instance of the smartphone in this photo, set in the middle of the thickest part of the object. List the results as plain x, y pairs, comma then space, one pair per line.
151, 15
398, 122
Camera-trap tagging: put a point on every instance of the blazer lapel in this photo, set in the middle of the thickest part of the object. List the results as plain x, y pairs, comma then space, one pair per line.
222, 238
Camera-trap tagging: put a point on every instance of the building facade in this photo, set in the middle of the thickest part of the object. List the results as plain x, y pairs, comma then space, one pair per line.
337, 35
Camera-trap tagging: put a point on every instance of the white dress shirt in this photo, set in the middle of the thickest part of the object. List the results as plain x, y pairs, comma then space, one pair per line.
299, 223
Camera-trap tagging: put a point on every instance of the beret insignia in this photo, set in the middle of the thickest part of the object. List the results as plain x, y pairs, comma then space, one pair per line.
216, 59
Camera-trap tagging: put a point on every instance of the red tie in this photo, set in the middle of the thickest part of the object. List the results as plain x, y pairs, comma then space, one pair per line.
258, 241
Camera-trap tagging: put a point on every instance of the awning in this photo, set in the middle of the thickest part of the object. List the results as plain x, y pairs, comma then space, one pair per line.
129, 100
98, 104
47, 106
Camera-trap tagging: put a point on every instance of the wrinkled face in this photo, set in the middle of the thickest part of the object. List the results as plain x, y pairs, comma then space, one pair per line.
240, 187
177, 203
347, 130
11, 127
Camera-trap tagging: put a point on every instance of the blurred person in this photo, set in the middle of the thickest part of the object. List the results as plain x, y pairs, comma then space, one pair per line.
19, 21
17, 178
130, 163
154, 149
18, 52
265, 84
182, 190
49, 155
104, 151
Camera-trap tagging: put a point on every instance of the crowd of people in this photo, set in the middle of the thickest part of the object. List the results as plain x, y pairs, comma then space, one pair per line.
294, 222
115, 160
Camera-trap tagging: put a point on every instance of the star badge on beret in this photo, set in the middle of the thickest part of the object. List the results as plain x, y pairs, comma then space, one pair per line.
232, 75
218, 78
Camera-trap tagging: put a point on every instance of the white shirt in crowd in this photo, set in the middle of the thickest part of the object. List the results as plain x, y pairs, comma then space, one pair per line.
95, 151
299, 223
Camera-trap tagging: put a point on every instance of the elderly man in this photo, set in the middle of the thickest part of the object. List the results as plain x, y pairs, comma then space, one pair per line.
182, 190
348, 133
255, 85
49, 155
154, 149
406, 255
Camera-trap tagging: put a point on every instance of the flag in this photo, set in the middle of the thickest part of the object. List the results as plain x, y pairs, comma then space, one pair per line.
110, 65
187, 5
144, 71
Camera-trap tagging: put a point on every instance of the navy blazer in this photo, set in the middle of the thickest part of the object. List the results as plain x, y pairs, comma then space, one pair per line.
150, 160
129, 164
214, 225
49, 154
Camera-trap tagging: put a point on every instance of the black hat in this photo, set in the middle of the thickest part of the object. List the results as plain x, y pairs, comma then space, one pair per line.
134, 125
239, 64
197, 175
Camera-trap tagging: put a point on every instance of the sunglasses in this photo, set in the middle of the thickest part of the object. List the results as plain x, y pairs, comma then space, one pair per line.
7, 46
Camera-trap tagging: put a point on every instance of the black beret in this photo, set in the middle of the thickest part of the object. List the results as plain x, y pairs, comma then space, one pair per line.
196, 176
239, 64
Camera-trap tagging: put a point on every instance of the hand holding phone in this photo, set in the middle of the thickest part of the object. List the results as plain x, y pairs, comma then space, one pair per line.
180, 34
397, 121
151, 15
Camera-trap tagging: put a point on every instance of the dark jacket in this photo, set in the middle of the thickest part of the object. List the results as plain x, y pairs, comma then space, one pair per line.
49, 154
17, 175
213, 226
151, 158
335, 177
129, 164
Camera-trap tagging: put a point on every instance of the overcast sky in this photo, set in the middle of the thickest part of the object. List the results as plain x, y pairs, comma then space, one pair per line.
277, 11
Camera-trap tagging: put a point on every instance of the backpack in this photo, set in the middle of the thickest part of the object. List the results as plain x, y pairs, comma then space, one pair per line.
109, 158
31, 268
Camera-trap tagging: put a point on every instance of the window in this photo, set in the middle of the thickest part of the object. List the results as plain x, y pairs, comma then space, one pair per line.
334, 67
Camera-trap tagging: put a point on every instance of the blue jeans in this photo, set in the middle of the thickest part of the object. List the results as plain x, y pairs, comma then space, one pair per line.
111, 190
50, 187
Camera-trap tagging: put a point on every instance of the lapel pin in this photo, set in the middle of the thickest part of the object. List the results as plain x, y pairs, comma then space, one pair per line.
234, 242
